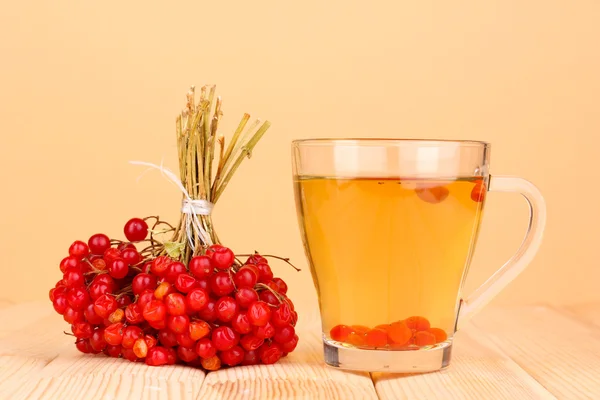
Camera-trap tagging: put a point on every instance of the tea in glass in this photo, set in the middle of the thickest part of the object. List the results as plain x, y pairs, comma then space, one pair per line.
391, 254
389, 228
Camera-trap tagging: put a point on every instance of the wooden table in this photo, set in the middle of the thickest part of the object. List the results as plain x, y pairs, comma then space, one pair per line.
520, 353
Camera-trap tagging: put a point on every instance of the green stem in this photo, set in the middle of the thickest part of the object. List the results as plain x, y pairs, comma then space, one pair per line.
221, 141
196, 133
239, 144
224, 159
211, 152
234, 139
246, 152
207, 142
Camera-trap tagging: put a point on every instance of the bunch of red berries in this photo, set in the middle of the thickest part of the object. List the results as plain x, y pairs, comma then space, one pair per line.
141, 306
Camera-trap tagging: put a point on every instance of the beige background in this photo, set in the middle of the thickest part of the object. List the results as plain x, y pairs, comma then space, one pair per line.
86, 86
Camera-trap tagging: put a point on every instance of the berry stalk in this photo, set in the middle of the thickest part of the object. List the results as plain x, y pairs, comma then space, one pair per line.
197, 139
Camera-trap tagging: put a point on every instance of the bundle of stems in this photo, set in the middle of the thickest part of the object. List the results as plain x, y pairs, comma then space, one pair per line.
204, 174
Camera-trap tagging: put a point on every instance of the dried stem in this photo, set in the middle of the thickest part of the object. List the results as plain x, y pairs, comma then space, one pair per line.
246, 152
221, 141
277, 294
197, 138
284, 259
213, 138
234, 141
208, 142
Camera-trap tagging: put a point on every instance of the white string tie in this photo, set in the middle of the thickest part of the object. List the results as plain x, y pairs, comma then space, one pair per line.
189, 207
198, 207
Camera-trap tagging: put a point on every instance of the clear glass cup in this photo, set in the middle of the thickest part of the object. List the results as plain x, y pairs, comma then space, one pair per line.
389, 228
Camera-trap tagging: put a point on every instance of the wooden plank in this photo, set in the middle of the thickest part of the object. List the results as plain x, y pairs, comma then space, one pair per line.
560, 352
14, 373
42, 363
24, 353
301, 375
29, 341
477, 371
73, 375
45, 365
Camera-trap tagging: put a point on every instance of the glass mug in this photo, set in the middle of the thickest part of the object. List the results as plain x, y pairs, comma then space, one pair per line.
389, 228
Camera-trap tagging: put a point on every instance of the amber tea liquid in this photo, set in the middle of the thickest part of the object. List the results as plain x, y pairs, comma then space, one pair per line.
383, 250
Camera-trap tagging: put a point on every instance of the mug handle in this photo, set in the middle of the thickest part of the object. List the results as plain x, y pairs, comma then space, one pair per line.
518, 262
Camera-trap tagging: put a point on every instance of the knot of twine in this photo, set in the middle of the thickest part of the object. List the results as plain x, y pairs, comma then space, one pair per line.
198, 207
191, 208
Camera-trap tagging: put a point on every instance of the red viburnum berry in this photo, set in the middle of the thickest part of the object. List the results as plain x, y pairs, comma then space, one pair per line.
246, 297
221, 256
160, 265
201, 266
281, 316
185, 282
136, 229
105, 305
69, 262
224, 338
79, 249
233, 356
205, 348
174, 270
259, 313
98, 243
270, 353
221, 284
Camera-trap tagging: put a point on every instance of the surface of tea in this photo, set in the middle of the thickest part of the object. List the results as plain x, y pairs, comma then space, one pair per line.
384, 250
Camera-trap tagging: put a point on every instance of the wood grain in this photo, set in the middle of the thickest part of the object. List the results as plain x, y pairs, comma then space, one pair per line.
301, 375
477, 371
28, 346
29, 340
520, 353
40, 362
75, 376
560, 352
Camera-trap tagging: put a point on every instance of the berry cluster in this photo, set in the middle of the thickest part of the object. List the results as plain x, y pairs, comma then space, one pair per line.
216, 311
409, 334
